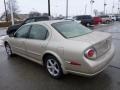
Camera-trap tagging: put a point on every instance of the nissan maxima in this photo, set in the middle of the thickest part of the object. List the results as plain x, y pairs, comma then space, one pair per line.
62, 47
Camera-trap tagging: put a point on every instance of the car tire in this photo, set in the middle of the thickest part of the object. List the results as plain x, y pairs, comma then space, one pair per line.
53, 67
88, 24
107, 22
113, 20
99, 23
8, 50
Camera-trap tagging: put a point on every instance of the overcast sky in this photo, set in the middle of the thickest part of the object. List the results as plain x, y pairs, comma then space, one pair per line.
59, 6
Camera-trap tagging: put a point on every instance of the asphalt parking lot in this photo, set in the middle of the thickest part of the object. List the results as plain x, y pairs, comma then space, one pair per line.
17, 73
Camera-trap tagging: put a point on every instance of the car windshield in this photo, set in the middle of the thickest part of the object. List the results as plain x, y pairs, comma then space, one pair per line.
71, 29
78, 18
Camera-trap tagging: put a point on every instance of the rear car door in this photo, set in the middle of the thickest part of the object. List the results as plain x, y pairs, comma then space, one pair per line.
18, 41
37, 42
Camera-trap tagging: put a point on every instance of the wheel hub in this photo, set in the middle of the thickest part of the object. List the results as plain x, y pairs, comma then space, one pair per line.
53, 67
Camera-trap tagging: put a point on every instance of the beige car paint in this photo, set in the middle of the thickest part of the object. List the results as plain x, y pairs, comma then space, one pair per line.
65, 50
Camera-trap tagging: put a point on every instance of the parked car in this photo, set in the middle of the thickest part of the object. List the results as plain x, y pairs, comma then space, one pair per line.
112, 17
72, 19
13, 28
97, 20
68, 18
62, 47
117, 18
86, 20
106, 19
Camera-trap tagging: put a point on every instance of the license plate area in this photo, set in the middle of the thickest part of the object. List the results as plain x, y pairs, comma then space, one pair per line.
102, 47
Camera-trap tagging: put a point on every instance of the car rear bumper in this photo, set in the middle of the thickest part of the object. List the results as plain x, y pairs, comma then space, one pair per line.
95, 67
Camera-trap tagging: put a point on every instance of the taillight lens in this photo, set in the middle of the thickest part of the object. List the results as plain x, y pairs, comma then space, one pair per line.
90, 53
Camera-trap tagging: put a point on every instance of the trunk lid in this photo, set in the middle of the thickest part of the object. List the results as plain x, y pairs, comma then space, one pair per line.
99, 40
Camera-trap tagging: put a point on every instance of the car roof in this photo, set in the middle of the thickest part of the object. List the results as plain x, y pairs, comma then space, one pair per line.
47, 22
82, 15
104, 15
38, 17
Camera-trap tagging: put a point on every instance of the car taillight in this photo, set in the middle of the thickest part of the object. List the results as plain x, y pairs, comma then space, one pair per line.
90, 53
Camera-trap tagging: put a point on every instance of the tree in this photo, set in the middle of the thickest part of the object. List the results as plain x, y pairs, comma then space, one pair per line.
34, 14
96, 12
15, 10
14, 6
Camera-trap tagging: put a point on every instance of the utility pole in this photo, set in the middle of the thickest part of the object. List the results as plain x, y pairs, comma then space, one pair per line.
118, 6
66, 8
113, 7
105, 7
86, 9
49, 13
5, 12
92, 2
11, 11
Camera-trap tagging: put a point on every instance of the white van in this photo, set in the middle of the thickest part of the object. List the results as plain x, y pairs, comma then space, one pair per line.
112, 17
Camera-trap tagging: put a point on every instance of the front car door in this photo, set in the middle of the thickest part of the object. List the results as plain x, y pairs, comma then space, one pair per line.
18, 41
37, 42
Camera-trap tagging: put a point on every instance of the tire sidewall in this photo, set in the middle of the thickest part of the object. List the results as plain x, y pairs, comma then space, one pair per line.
60, 69
7, 45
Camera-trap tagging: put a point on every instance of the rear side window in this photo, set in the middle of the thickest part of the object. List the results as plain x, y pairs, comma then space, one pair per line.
38, 32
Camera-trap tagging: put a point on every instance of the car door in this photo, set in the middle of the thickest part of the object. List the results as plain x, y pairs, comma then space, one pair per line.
18, 41
37, 42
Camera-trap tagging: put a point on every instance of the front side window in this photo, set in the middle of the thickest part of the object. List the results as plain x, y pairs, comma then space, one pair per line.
87, 17
78, 18
70, 29
22, 32
38, 32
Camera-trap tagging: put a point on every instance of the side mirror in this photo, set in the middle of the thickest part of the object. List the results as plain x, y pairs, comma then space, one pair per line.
12, 35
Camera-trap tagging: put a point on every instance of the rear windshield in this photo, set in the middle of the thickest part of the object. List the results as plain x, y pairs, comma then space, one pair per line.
70, 29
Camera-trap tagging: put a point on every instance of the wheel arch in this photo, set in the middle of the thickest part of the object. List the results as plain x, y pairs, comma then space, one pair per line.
5, 42
56, 56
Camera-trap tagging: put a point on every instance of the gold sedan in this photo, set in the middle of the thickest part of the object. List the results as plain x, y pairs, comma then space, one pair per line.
62, 47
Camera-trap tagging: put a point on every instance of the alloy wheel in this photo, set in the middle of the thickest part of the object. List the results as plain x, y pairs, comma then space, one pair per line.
8, 50
53, 67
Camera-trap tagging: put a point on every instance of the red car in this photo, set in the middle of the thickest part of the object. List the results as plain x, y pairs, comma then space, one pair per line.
97, 20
